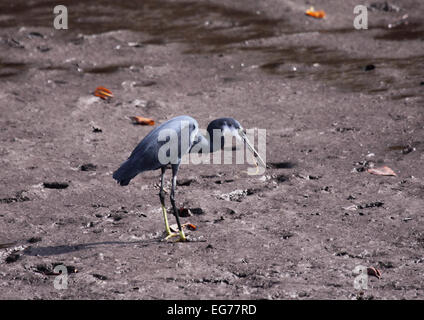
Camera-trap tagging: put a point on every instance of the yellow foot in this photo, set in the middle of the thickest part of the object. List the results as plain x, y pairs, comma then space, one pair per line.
171, 235
182, 236
175, 234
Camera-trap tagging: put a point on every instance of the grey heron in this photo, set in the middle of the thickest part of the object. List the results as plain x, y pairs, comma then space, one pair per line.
147, 155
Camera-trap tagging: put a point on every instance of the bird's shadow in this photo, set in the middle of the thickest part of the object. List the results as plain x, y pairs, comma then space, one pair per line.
281, 165
64, 249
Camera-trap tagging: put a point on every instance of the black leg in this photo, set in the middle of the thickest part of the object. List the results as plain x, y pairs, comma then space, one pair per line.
172, 197
162, 202
161, 192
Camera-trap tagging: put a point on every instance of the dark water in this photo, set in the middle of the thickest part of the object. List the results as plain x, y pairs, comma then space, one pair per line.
210, 28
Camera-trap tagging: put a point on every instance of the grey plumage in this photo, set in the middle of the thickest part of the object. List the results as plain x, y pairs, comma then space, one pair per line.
147, 155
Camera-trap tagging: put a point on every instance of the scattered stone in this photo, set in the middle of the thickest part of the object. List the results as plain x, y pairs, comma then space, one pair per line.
371, 205
341, 253
229, 211
99, 276
184, 212
13, 257
135, 44
236, 195
308, 177
282, 165
383, 6
14, 43
19, 197
34, 239
369, 67
43, 48
351, 208
88, 167
137, 103
35, 34
363, 166
286, 235
99, 205
184, 182
69, 269
151, 104
408, 149
146, 83
306, 151
282, 178
346, 129
303, 294
197, 211
44, 269
311, 177
211, 176
115, 216
326, 188
188, 212
55, 185
97, 130
386, 265
224, 181
220, 219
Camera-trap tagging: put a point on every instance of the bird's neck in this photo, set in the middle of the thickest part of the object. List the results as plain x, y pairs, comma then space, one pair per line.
214, 139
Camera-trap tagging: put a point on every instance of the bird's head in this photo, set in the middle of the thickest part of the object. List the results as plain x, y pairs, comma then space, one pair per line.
218, 128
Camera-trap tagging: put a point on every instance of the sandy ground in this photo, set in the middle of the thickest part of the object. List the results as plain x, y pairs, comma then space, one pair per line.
297, 232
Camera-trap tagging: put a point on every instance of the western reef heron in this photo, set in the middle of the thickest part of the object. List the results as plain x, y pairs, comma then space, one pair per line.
151, 154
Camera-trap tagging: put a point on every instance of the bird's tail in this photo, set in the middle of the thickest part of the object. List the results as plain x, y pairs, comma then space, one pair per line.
125, 173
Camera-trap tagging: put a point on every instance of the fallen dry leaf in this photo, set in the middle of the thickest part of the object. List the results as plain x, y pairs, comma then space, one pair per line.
191, 226
316, 14
188, 226
371, 271
103, 93
143, 121
382, 171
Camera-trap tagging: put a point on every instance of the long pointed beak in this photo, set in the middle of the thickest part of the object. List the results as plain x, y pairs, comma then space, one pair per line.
251, 148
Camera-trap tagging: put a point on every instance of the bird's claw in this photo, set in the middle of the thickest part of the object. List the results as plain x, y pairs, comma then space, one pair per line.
171, 235
175, 234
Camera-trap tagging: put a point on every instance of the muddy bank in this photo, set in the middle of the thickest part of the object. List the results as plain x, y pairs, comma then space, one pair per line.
299, 231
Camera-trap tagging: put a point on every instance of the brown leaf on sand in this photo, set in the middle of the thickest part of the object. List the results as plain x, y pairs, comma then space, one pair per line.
371, 271
103, 93
316, 14
187, 226
143, 121
382, 171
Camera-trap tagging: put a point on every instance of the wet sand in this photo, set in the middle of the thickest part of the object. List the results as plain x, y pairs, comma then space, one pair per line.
334, 101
